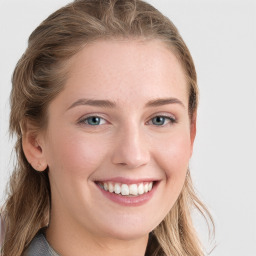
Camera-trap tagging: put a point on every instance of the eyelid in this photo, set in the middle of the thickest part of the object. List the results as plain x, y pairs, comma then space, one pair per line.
169, 116
164, 115
82, 119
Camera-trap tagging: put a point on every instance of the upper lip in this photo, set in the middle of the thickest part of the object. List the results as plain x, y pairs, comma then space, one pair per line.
123, 180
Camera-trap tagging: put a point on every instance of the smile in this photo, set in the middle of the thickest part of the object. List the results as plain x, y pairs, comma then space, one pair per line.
125, 189
127, 192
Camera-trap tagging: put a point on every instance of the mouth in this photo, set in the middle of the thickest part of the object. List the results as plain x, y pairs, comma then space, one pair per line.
127, 190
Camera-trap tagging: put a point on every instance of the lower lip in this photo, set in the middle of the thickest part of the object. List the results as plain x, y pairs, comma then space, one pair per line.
129, 200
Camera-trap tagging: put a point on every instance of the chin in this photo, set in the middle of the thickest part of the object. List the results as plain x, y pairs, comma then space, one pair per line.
127, 235
127, 229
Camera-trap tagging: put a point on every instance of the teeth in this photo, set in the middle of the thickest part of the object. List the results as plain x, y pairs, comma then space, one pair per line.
141, 189
126, 190
110, 187
146, 187
133, 190
117, 188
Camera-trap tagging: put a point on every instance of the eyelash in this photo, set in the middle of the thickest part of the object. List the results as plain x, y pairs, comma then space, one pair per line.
83, 120
171, 119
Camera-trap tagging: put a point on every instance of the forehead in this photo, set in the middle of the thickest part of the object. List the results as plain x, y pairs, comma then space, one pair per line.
126, 70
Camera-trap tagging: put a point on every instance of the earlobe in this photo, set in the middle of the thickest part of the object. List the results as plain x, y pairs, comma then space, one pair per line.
33, 151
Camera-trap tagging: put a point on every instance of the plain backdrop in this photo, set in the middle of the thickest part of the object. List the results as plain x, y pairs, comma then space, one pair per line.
221, 36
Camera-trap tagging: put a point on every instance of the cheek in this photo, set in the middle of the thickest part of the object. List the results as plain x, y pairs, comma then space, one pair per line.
173, 156
75, 154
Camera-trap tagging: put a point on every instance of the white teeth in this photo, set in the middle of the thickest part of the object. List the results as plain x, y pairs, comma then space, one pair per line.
133, 189
126, 190
117, 188
150, 185
141, 189
110, 187
106, 186
146, 187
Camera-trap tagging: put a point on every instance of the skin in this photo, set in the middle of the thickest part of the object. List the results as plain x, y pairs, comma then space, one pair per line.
126, 143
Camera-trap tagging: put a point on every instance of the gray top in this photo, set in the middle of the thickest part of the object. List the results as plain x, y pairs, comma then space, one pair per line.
40, 247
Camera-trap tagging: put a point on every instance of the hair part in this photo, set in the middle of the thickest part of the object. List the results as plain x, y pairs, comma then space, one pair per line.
40, 76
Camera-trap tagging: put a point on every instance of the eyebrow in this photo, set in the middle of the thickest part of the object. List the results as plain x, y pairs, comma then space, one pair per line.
110, 104
96, 103
163, 101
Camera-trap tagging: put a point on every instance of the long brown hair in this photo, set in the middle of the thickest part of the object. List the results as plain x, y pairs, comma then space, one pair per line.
40, 75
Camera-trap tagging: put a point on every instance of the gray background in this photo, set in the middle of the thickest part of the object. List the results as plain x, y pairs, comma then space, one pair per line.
221, 36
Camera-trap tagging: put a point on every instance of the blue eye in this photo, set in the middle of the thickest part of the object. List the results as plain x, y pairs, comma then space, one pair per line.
93, 120
162, 120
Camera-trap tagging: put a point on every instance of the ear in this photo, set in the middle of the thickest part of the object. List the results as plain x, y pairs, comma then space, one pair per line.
193, 131
32, 148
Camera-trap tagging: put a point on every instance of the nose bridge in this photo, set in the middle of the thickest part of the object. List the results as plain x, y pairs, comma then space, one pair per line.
131, 148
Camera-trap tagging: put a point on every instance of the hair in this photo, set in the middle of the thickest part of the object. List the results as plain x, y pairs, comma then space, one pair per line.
40, 75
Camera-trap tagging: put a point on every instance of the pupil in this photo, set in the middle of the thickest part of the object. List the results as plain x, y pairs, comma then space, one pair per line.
94, 120
159, 120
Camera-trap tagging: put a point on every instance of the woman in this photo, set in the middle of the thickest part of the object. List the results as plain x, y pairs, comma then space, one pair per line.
104, 105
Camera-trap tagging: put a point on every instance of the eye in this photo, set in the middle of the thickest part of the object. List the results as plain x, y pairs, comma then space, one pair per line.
162, 120
93, 120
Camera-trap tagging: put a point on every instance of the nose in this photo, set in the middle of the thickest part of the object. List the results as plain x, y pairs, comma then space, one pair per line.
131, 148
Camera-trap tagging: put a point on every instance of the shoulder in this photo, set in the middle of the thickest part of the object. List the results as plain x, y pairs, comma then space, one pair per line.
39, 247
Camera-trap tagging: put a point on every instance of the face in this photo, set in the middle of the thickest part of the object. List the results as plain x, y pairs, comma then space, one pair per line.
119, 139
